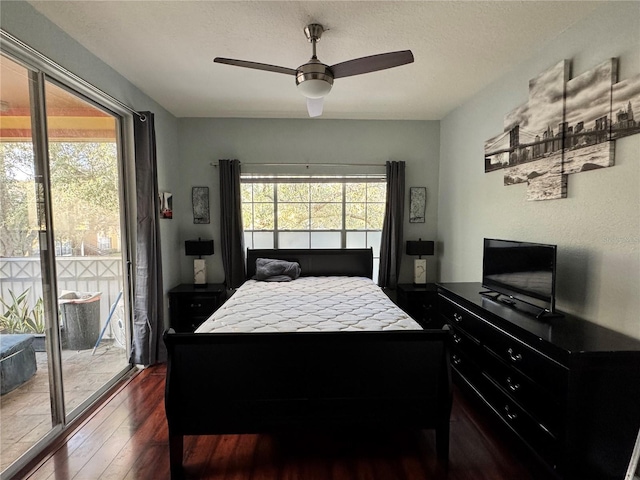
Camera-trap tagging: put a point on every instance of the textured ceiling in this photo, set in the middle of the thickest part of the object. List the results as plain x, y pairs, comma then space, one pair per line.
166, 49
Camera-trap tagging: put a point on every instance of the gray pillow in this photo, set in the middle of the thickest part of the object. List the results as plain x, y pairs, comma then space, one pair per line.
274, 270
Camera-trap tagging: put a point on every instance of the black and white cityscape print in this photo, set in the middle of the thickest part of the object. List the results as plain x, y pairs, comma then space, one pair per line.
625, 115
566, 127
587, 144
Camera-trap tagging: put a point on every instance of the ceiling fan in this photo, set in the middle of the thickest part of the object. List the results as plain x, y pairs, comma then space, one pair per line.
315, 79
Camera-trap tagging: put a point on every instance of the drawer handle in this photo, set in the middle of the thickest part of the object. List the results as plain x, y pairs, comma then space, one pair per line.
456, 338
196, 305
514, 387
457, 317
515, 357
456, 360
510, 415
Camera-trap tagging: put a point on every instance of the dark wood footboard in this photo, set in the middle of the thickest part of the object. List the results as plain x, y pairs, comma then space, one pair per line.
266, 382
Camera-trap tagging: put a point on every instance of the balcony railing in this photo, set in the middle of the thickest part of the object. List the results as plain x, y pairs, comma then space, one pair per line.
80, 274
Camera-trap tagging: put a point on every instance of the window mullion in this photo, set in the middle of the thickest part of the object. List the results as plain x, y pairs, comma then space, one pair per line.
275, 215
344, 216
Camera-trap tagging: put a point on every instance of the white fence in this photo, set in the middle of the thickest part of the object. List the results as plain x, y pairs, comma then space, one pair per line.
80, 274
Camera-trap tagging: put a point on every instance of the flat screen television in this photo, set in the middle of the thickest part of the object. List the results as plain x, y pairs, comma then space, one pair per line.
521, 271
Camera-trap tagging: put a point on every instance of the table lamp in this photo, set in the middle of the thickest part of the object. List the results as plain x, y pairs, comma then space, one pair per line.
199, 248
420, 248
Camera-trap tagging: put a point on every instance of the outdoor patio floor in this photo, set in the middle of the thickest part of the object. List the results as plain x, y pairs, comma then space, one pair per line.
25, 412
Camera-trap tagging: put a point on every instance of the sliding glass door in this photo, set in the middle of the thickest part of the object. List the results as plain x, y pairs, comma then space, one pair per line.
85, 205
25, 417
64, 322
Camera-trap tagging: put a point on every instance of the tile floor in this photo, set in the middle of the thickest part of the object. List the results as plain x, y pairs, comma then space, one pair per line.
25, 413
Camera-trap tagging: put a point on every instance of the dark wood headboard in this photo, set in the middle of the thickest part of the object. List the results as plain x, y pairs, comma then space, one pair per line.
352, 262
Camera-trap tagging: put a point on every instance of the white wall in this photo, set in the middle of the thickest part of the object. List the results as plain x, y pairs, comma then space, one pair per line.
32, 28
596, 228
203, 141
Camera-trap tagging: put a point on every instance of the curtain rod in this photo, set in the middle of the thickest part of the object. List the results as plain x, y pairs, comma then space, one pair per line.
7, 36
307, 165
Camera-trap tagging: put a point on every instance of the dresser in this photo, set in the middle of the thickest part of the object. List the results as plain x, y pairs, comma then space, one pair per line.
568, 388
189, 305
419, 301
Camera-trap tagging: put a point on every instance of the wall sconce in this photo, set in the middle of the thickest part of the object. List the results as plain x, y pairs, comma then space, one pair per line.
420, 264
199, 248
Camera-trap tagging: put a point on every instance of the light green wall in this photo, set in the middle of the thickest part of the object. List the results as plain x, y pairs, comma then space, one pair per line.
203, 141
32, 28
597, 228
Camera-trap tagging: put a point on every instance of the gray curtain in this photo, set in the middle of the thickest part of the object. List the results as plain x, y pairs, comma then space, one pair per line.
148, 322
232, 236
391, 243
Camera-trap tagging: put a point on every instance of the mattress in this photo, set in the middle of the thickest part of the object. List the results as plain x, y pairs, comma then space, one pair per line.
308, 304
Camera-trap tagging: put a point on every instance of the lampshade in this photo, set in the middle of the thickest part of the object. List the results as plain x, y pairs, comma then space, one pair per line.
198, 247
420, 247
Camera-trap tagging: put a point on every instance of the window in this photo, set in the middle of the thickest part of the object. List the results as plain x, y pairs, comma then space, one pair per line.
104, 243
314, 212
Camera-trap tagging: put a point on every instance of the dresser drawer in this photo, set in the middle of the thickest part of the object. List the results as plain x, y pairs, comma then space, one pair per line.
539, 368
541, 403
198, 305
461, 342
465, 366
542, 441
463, 320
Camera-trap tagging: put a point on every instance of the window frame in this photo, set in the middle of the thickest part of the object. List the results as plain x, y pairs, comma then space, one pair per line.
275, 180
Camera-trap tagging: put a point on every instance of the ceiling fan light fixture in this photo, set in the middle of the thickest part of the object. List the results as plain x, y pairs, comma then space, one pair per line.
314, 79
314, 88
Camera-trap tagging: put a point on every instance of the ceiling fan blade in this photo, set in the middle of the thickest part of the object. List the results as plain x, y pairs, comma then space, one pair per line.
314, 106
255, 65
372, 63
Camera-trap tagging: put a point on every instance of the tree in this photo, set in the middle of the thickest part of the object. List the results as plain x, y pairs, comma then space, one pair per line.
18, 231
84, 191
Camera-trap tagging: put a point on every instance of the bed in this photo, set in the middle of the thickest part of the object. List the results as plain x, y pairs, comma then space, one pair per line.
239, 376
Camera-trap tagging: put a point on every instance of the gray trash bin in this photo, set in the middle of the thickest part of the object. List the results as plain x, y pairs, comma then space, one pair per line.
80, 319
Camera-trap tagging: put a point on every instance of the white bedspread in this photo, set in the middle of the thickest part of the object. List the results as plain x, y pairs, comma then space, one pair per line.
309, 304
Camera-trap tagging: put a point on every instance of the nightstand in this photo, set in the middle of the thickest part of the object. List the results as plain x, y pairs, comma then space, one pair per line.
189, 306
420, 301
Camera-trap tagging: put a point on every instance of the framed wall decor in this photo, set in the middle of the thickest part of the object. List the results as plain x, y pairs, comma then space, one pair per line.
166, 205
200, 202
417, 204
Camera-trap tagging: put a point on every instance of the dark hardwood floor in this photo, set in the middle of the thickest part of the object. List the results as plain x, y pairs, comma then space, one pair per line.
126, 438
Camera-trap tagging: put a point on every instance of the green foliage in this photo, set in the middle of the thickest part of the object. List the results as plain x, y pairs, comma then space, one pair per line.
313, 206
17, 230
19, 318
84, 191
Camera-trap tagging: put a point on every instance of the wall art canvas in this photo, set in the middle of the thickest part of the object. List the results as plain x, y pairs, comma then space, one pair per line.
200, 203
625, 119
567, 126
535, 136
496, 152
166, 205
587, 144
417, 204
